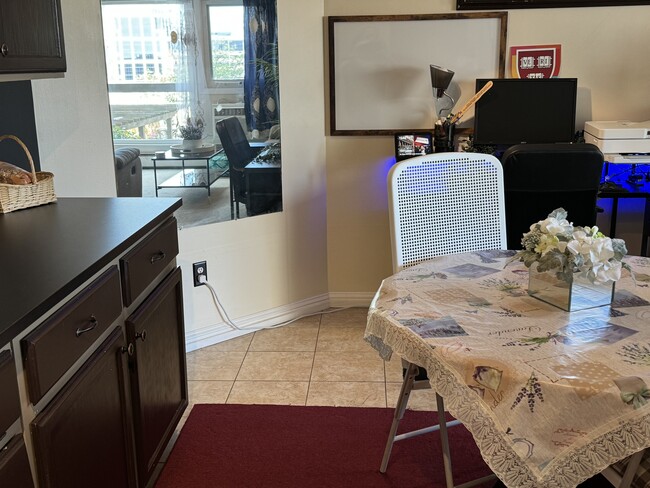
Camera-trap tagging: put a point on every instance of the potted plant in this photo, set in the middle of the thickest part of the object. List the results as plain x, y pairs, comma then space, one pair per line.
571, 267
192, 133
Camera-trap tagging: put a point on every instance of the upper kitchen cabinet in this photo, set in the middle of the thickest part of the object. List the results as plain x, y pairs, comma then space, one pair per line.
31, 36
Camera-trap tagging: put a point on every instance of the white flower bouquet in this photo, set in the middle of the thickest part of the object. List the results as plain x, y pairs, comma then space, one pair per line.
556, 245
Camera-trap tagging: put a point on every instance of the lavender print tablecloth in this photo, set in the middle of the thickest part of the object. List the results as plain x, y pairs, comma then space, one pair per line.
551, 397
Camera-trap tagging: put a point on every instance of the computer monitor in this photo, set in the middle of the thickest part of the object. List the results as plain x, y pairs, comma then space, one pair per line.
516, 111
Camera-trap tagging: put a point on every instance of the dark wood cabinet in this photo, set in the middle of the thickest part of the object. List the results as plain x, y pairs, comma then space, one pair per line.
83, 437
14, 465
31, 36
100, 398
10, 403
158, 371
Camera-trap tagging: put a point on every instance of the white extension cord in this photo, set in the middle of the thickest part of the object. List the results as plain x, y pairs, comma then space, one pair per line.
227, 319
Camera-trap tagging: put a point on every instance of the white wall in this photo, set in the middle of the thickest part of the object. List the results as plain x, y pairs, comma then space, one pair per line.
269, 267
264, 268
72, 117
606, 48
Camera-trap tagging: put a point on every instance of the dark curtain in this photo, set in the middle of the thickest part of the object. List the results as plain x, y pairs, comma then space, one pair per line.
261, 93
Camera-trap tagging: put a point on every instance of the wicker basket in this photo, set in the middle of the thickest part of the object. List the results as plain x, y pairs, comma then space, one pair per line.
15, 197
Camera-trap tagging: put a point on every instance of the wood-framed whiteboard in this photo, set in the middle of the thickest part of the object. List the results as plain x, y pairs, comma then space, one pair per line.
379, 77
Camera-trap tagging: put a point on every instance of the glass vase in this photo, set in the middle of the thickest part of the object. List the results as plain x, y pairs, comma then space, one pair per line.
577, 294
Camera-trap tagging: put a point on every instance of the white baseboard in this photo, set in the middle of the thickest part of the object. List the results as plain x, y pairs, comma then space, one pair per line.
220, 332
351, 299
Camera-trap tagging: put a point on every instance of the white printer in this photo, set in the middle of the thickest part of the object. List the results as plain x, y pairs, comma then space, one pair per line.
621, 141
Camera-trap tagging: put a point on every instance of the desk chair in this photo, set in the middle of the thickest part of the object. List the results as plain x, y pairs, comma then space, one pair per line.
539, 178
239, 154
440, 204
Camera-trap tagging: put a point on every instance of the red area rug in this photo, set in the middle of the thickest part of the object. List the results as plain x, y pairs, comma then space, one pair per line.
269, 446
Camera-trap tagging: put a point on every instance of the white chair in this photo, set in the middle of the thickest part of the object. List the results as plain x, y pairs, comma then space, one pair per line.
440, 204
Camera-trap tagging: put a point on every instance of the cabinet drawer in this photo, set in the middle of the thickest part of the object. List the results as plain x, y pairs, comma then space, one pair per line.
148, 259
14, 465
10, 403
51, 349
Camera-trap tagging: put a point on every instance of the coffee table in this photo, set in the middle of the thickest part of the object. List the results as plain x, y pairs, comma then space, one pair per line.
190, 176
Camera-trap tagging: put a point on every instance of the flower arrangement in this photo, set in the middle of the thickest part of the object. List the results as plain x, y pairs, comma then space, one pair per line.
192, 130
556, 245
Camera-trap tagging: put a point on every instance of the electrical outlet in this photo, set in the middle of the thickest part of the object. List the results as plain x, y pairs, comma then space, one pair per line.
199, 269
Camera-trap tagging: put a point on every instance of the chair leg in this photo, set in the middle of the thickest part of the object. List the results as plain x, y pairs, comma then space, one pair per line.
402, 402
444, 439
630, 471
446, 453
232, 202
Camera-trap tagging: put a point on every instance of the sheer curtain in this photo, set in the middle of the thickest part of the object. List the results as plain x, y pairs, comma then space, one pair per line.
190, 80
261, 93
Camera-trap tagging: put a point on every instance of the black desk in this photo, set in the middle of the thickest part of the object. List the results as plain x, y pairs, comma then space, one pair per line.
641, 190
263, 179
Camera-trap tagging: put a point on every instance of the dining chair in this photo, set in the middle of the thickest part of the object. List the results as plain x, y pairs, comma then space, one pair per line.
239, 153
538, 178
439, 204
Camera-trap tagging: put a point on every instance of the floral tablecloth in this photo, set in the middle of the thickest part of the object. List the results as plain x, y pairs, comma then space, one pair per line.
551, 397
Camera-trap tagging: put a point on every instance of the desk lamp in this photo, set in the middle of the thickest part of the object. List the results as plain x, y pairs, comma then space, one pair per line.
440, 80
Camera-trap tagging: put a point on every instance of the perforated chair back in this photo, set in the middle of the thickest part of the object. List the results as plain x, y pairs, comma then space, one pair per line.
445, 203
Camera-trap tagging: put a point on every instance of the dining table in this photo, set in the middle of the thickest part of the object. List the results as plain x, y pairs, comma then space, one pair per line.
550, 397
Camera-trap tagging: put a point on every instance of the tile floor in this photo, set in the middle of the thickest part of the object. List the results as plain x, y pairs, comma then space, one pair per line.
319, 360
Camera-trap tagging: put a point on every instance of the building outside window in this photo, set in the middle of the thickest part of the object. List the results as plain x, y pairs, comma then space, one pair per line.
226, 33
142, 97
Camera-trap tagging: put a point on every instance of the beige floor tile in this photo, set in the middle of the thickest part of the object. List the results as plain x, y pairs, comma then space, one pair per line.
276, 366
269, 392
346, 394
240, 343
419, 399
344, 339
309, 320
206, 391
299, 336
211, 364
394, 369
349, 316
357, 366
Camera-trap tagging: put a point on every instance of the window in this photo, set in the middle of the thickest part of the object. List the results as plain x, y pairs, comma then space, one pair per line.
226, 34
142, 67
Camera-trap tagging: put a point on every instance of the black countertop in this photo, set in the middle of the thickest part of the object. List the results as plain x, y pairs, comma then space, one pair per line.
47, 252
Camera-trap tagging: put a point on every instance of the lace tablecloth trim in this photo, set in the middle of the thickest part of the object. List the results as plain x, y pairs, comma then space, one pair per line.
465, 405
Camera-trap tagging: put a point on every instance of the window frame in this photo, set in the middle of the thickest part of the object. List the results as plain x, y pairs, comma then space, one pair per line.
207, 51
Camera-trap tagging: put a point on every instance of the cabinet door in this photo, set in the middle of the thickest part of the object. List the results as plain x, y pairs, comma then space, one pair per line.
31, 36
14, 465
158, 371
83, 437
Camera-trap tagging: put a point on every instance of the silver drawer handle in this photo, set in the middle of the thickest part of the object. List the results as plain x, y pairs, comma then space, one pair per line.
93, 324
158, 257
4, 49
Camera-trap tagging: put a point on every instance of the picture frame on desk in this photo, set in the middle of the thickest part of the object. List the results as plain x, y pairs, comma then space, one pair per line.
511, 4
412, 143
